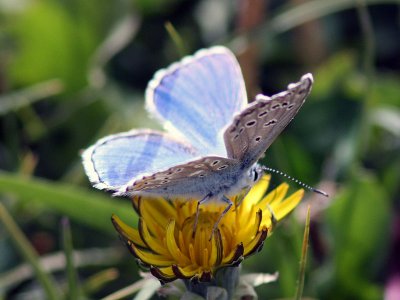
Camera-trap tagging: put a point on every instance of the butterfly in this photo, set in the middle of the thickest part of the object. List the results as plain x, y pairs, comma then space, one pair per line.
213, 137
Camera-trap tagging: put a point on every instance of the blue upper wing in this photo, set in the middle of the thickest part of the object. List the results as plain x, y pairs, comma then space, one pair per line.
198, 97
117, 160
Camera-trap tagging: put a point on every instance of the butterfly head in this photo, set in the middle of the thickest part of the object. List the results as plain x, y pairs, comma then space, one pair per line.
255, 173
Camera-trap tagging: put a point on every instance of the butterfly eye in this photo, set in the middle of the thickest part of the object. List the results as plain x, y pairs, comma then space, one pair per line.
255, 175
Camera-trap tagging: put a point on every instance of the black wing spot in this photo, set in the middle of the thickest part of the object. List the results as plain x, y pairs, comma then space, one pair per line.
262, 114
235, 137
284, 104
164, 181
241, 130
257, 139
251, 123
222, 167
276, 106
202, 175
215, 162
178, 170
270, 123
290, 106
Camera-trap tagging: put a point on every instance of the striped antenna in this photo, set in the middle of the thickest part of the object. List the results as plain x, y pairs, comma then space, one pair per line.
310, 188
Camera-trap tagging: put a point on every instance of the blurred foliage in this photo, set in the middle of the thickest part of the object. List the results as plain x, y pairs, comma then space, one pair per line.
74, 71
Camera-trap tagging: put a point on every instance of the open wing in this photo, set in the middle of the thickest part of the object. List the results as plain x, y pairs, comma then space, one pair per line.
198, 96
116, 160
256, 127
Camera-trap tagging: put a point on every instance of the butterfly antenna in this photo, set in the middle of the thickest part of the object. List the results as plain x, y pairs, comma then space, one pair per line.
310, 188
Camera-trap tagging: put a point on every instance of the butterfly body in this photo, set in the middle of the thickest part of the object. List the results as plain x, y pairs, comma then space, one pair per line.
214, 138
198, 182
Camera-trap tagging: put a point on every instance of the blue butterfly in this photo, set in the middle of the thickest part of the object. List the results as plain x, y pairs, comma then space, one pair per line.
213, 137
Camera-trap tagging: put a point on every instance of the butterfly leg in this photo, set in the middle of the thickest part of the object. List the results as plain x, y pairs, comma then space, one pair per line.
227, 208
242, 196
205, 199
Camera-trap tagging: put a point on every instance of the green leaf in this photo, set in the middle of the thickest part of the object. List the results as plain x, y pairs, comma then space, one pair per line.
80, 205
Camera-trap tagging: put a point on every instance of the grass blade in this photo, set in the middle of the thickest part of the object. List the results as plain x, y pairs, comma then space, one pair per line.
72, 276
303, 260
18, 99
176, 38
30, 255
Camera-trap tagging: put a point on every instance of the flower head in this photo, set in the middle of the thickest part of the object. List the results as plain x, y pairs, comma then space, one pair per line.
165, 241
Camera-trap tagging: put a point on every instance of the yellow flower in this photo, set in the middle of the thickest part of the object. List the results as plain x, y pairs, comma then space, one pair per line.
166, 244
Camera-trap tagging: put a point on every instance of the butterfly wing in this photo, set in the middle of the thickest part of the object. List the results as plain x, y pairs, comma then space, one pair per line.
198, 97
256, 127
117, 160
199, 177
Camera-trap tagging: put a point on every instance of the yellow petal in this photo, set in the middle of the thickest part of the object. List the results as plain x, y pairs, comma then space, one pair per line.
288, 205
256, 242
234, 255
253, 228
167, 271
205, 258
155, 220
255, 193
172, 246
274, 196
154, 243
151, 258
187, 271
216, 249
192, 254
127, 232
163, 274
